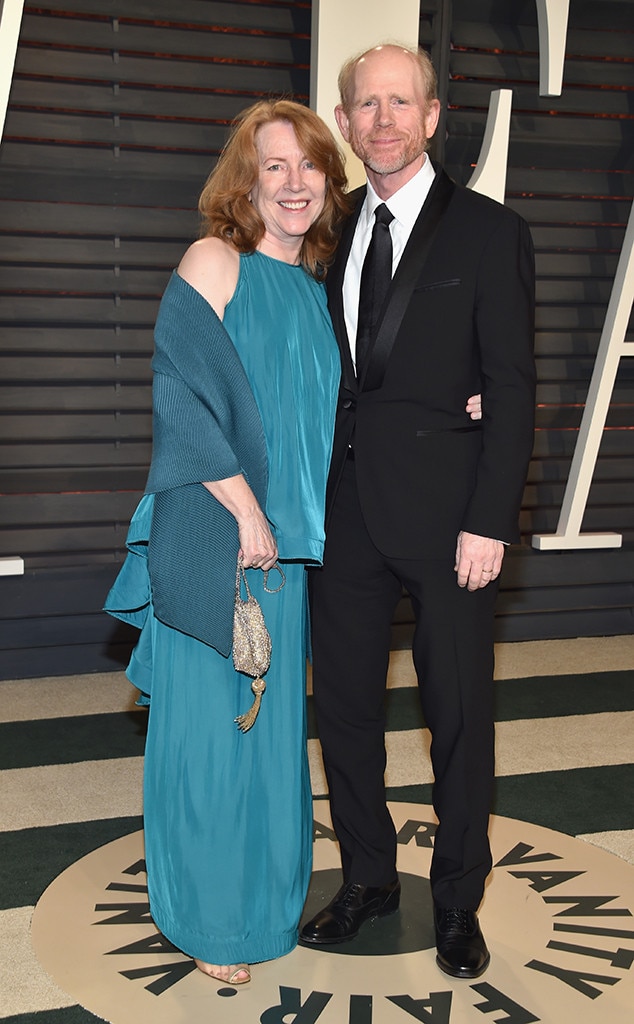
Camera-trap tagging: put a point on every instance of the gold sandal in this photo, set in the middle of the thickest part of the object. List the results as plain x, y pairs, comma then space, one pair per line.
233, 978
240, 969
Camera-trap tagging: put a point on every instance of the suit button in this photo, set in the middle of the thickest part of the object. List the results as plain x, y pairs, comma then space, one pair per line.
348, 404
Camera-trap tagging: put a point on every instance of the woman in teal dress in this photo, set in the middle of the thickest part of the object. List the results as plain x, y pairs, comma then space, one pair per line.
245, 381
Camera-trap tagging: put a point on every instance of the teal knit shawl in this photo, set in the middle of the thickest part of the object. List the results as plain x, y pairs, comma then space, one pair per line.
206, 426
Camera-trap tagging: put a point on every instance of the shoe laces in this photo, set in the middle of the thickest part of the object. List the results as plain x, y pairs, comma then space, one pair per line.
456, 919
350, 892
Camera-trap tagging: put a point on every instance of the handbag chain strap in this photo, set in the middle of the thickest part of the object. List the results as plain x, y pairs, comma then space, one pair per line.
240, 572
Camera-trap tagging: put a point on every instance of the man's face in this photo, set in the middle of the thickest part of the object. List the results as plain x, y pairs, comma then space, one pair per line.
389, 120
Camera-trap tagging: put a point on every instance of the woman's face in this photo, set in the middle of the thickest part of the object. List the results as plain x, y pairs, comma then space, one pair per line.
290, 191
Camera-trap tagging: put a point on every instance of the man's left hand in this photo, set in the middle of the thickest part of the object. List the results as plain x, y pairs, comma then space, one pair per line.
478, 560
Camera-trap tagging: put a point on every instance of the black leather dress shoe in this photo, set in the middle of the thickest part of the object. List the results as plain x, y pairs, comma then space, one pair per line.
351, 907
461, 949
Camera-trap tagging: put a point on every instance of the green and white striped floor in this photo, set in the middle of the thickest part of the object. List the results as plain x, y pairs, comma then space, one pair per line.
71, 755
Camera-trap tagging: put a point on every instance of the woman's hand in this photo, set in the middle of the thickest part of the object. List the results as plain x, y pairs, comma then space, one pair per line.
258, 547
474, 407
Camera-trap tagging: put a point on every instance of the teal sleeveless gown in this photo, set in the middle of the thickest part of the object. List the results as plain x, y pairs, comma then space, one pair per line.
228, 816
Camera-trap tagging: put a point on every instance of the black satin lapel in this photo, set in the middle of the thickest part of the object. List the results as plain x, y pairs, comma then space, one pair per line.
334, 288
408, 273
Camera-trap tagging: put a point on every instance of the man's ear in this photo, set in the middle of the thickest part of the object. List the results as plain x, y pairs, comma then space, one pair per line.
431, 118
342, 121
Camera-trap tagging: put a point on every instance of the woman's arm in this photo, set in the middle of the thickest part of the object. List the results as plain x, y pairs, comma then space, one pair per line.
211, 266
258, 548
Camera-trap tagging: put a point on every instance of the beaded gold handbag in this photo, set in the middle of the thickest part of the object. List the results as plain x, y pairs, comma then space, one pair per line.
251, 641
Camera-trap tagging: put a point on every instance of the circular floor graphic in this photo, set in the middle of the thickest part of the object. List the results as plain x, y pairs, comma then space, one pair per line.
557, 918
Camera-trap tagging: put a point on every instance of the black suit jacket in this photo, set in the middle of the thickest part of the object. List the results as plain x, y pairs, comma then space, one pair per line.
458, 319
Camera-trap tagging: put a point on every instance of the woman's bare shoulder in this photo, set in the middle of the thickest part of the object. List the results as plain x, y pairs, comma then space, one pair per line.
211, 266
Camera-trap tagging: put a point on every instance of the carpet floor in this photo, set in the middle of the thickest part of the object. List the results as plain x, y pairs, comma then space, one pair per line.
71, 759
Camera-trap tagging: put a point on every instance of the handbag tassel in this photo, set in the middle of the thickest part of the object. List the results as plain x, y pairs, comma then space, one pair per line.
244, 722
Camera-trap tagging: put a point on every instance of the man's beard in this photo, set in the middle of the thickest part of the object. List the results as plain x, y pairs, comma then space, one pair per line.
389, 163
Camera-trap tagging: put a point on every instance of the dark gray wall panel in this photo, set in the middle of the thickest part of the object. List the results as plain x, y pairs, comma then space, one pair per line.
570, 175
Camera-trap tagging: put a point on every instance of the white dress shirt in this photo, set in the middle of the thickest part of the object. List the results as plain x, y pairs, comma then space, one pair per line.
405, 206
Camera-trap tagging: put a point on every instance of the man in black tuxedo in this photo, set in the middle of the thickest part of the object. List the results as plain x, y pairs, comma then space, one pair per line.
420, 496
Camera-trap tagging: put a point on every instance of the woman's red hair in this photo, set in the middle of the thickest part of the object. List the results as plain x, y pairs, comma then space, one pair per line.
224, 202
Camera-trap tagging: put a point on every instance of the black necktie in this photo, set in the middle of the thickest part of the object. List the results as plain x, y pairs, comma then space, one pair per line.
375, 281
